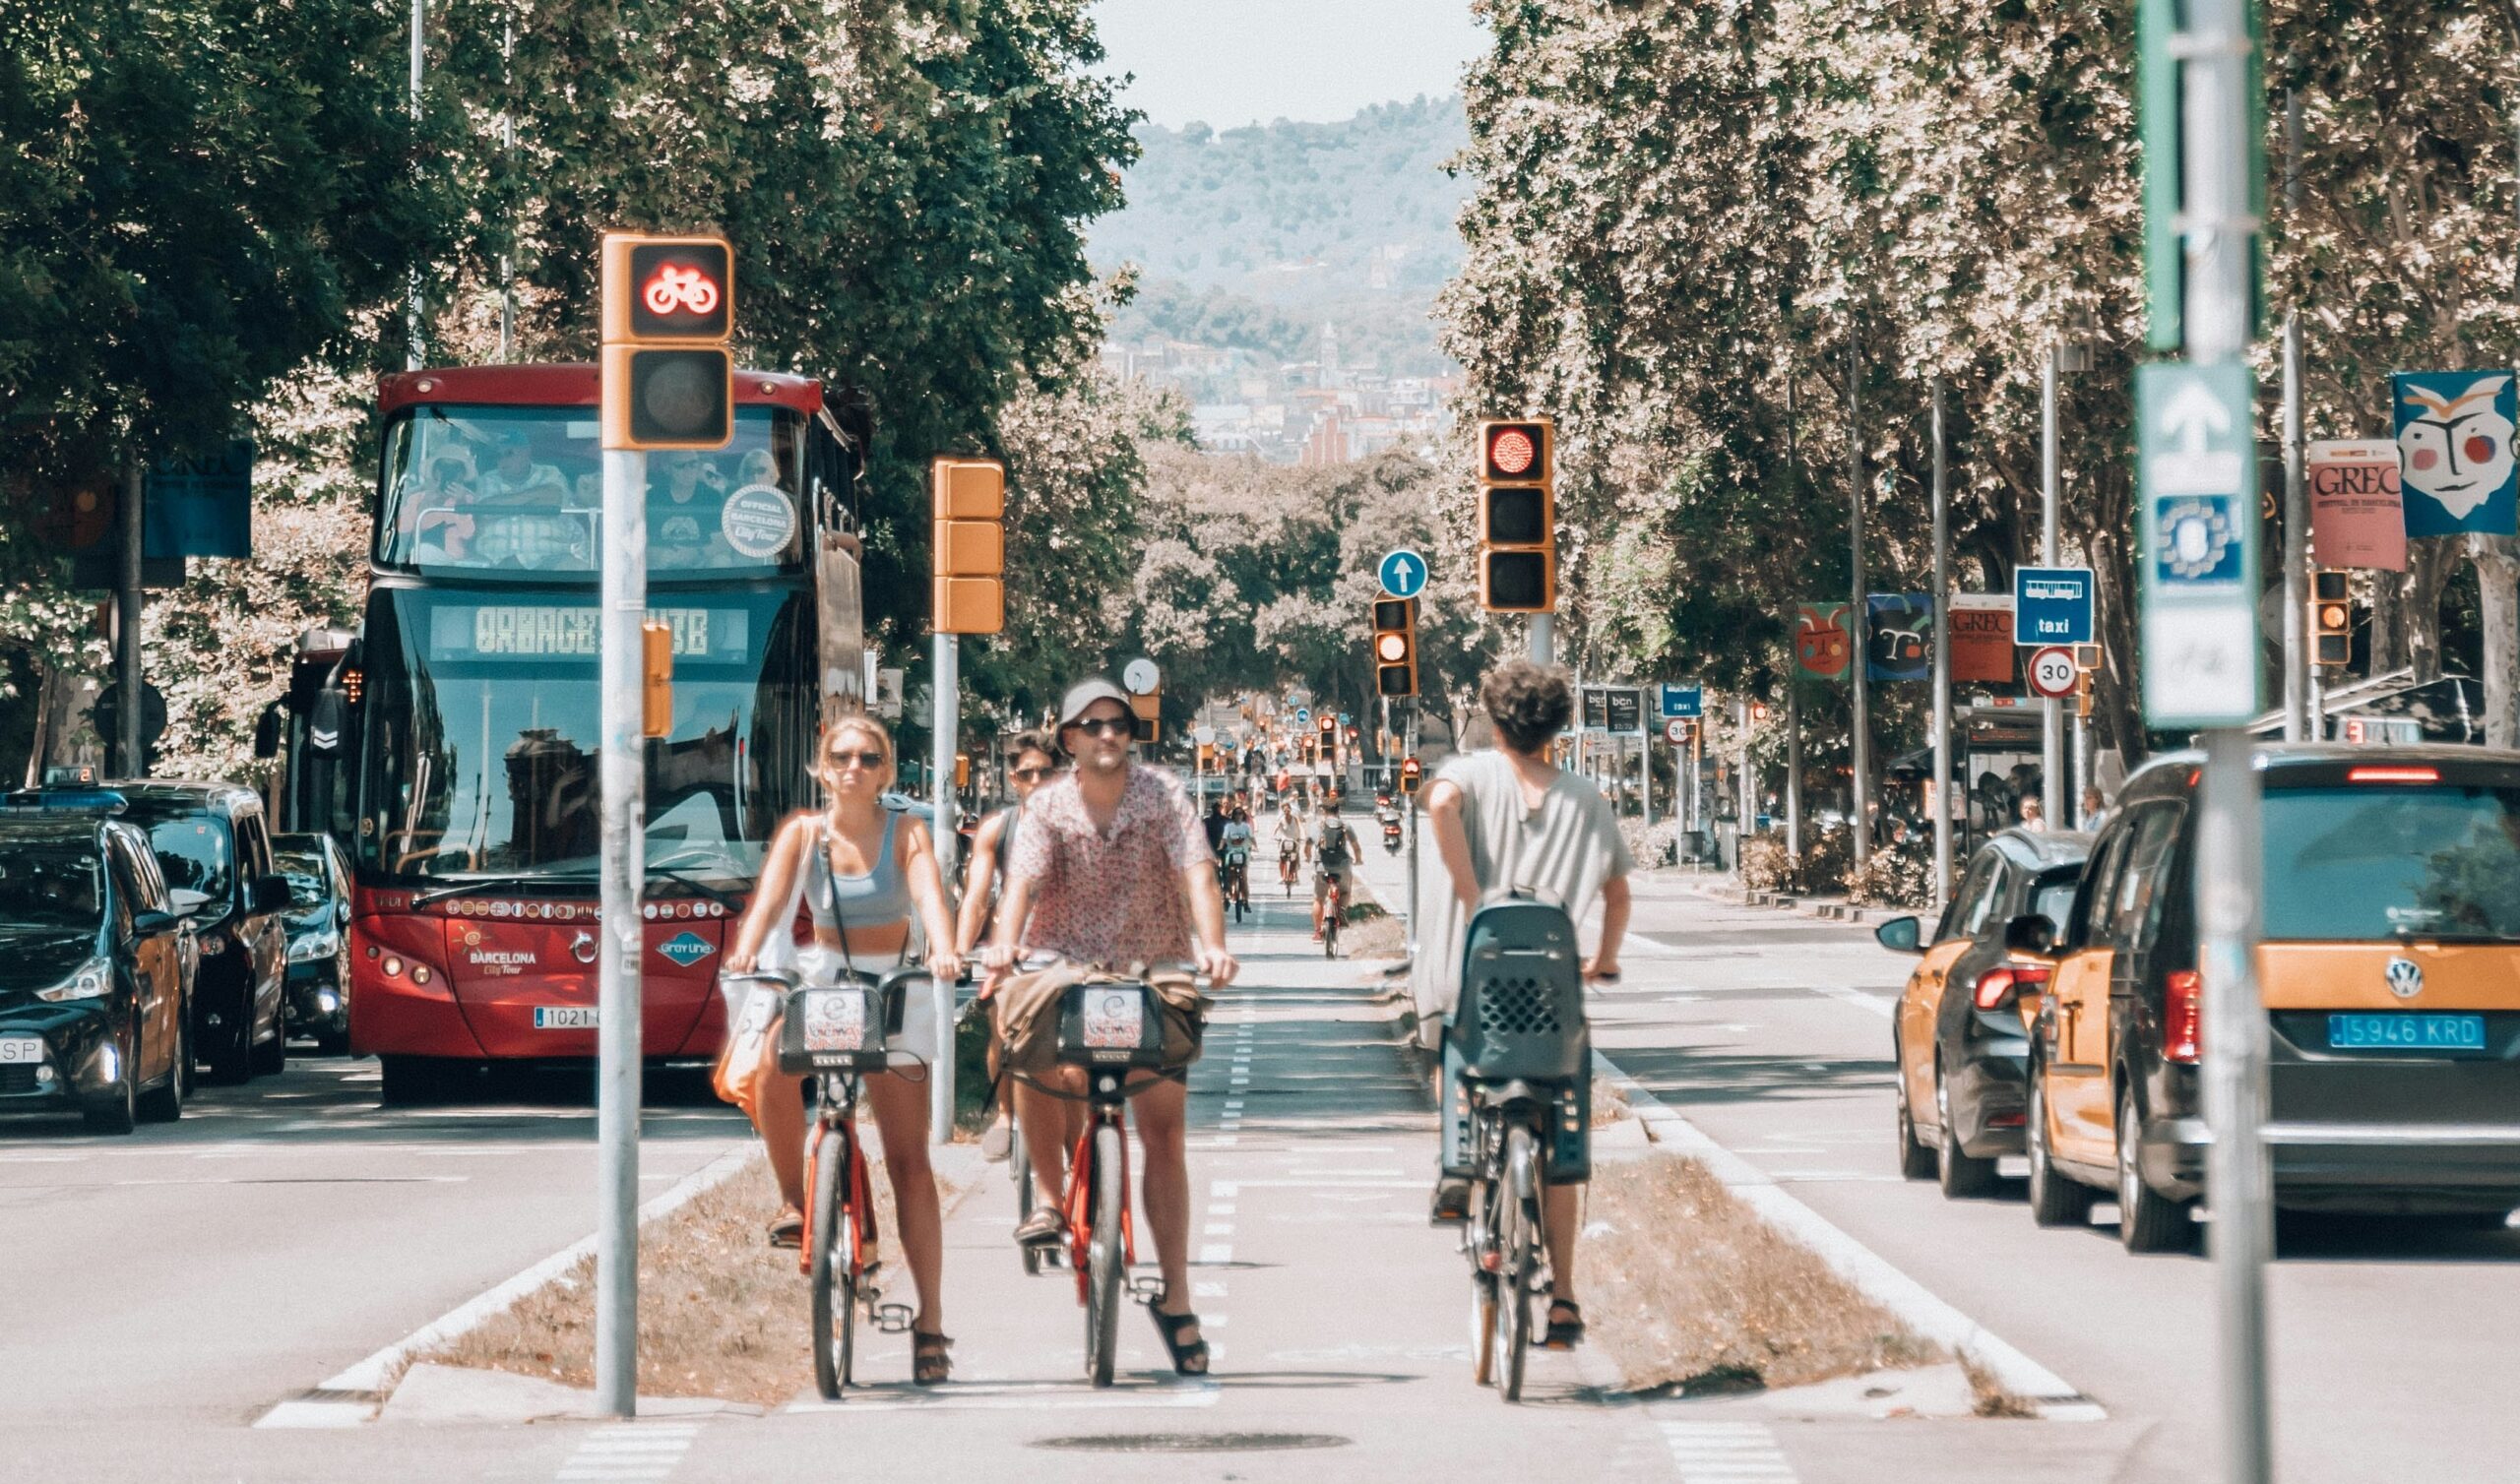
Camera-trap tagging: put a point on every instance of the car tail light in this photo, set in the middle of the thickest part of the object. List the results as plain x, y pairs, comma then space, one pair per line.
2183, 1016
2393, 776
1997, 987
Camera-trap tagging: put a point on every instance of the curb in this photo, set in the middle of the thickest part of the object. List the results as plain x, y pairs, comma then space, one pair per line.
2049, 1395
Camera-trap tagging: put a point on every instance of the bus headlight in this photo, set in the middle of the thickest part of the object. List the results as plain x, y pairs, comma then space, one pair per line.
93, 981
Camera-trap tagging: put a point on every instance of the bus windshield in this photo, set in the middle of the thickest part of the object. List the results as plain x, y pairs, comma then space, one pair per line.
481, 734
485, 490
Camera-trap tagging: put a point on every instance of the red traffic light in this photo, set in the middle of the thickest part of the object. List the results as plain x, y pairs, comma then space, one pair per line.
667, 288
1515, 452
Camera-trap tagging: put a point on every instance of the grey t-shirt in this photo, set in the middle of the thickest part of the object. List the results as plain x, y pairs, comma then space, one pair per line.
1566, 848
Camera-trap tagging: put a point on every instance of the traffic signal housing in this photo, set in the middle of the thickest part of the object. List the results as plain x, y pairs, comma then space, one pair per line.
2331, 618
968, 549
1412, 773
668, 309
1517, 515
1395, 646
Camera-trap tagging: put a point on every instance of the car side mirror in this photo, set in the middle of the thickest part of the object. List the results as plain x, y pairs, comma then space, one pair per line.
2030, 933
1900, 935
341, 913
144, 923
270, 895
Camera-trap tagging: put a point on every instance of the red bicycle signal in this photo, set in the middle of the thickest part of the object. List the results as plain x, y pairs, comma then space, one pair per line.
677, 289
1514, 453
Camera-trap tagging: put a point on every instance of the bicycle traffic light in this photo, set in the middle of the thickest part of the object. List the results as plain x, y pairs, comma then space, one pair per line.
1517, 518
969, 552
961, 769
1411, 772
2331, 617
1395, 646
668, 309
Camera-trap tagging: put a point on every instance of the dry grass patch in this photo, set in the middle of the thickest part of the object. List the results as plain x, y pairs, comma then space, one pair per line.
721, 1314
1688, 1290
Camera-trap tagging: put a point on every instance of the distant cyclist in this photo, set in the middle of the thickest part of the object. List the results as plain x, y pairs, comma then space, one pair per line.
1333, 859
1031, 757
1513, 805
1233, 856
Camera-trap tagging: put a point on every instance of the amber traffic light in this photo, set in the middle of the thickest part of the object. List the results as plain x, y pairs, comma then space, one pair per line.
969, 550
669, 308
1395, 646
1411, 772
1517, 521
2331, 617
1148, 710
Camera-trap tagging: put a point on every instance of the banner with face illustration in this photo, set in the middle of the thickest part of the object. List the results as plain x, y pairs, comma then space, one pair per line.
2454, 435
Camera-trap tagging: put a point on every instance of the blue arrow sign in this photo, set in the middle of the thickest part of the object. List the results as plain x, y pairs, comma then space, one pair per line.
1303, 715
1403, 573
2052, 605
1684, 701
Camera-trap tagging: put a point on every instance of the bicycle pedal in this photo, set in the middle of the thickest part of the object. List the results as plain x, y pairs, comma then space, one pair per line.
892, 1319
1146, 1290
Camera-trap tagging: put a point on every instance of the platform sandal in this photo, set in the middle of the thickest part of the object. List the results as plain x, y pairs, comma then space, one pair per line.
1188, 1360
787, 1229
929, 1363
1564, 1334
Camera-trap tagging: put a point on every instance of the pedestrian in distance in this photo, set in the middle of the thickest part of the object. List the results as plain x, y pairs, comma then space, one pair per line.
2033, 815
861, 870
2095, 809
1513, 807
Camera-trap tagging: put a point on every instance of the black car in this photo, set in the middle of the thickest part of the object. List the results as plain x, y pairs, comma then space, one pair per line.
318, 923
215, 853
94, 965
1959, 1035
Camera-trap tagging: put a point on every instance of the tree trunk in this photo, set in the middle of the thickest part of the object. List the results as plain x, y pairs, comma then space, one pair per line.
2498, 564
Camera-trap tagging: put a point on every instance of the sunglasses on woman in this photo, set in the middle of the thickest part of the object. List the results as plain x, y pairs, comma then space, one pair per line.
1106, 726
1028, 774
868, 760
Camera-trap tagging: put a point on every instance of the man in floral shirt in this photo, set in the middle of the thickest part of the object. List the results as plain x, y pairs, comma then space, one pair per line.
1111, 869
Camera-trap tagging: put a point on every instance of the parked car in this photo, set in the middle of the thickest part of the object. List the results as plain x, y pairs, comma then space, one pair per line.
319, 952
2389, 970
96, 967
1959, 1037
216, 853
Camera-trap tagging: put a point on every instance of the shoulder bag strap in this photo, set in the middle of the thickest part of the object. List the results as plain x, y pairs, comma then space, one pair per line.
830, 888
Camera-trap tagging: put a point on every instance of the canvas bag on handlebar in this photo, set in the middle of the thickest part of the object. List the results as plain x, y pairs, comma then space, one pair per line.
1029, 1015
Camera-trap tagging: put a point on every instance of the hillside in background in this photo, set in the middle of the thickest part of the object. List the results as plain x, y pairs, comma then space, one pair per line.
1250, 239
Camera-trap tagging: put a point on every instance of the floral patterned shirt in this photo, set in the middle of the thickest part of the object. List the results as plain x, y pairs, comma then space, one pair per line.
1110, 897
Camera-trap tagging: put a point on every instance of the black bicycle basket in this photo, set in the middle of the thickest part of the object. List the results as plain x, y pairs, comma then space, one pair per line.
838, 1028
1110, 1024
1522, 995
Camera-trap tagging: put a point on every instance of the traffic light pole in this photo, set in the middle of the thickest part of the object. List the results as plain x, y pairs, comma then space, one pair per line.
131, 684
623, 814
1544, 638
948, 724
1412, 823
1939, 797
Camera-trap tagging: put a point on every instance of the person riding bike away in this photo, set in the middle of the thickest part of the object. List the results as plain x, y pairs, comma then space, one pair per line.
1334, 858
1234, 845
1111, 871
1031, 757
1514, 803
1219, 814
875, 866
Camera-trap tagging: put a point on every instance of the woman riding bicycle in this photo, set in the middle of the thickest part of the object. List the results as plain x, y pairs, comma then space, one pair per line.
875, 866
1031, 757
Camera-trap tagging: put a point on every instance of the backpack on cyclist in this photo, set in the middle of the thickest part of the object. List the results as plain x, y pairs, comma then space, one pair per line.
1333, 851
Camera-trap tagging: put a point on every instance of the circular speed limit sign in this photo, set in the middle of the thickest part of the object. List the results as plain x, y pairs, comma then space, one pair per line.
1675, 731
2052, 673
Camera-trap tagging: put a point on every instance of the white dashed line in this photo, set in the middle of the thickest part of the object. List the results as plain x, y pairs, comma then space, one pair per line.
636, 1452
1727, 1453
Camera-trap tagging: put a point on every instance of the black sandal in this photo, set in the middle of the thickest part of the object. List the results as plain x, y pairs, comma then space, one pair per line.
1564, 1334
1188, 1360
930, 1362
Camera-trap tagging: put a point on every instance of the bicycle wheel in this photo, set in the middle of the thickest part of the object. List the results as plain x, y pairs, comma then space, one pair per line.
1518, 1252
1331, 913
1103, 1277
1019, 1167
834, 1278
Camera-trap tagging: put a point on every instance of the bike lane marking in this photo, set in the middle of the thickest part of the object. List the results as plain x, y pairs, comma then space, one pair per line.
1727, 1453
635, 1452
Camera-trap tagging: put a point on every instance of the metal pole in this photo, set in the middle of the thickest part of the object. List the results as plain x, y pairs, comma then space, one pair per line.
1858, 619
131, 684
1544, 639
1793, 763
507, 142
416, 314
1748, 807
1941, 795
1411, 823
623, 884
947, 693
2219, 233
2051, 724
2296, 506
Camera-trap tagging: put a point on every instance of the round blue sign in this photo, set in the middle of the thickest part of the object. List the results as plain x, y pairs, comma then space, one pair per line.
1403, 573
1303, 715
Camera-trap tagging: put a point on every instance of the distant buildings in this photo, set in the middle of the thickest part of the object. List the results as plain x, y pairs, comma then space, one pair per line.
1331, 410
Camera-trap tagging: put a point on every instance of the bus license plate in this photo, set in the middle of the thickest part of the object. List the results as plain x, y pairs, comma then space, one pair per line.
20, 1050
565, 1018
2405, 1032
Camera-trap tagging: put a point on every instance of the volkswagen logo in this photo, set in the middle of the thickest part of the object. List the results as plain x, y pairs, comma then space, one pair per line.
2406, 978
582, 949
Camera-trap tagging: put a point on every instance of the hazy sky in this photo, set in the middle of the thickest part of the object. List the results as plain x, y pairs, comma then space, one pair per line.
1234, 62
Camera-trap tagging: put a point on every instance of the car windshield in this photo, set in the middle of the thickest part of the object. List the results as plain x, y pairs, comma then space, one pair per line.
304, 871
2054, 896
2360, 862
51, 886
193, 850
481, 490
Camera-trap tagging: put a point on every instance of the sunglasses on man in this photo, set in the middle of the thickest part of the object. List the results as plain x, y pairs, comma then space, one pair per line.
1106, 726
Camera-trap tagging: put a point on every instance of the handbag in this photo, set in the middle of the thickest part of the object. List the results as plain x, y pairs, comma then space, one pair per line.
753, 1007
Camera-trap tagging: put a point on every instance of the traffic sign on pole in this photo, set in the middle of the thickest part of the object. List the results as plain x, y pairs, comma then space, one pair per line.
1403, 573
2052, 605
2196, 483
2053, 673
1675, 730
1684, 701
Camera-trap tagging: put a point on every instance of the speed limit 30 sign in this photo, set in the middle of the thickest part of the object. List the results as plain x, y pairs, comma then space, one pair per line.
2052, 673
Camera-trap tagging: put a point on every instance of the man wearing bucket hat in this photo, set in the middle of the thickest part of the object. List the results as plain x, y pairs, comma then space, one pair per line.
1111, 871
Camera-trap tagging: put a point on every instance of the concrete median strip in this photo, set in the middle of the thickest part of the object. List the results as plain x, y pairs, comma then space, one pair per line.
355, 1394
2041, 1391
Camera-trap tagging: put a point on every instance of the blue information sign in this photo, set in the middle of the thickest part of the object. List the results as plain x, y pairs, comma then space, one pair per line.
1684, 701
1403, 573
1303, 715
2052, 605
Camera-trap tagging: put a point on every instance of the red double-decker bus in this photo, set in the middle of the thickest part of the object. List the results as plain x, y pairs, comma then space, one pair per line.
454, 748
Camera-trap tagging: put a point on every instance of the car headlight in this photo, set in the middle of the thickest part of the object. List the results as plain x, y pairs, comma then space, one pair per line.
314, 946
93, 981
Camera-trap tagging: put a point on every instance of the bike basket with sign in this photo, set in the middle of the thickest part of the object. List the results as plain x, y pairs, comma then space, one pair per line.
831, 1028
2052, 671
1109, 1025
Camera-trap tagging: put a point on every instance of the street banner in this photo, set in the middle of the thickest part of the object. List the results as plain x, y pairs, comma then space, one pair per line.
2454, 434
1626, 712
1821, 644
1899, 637
200, 507
1596, 710
2358, 516
1982, 647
